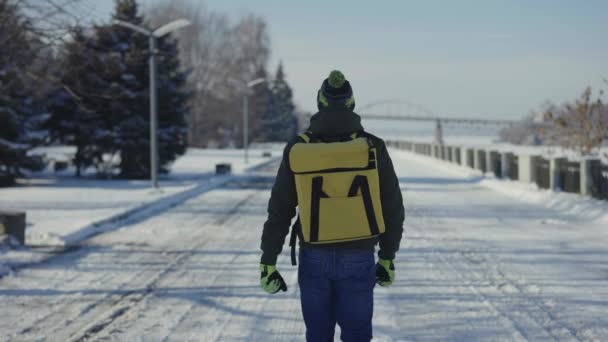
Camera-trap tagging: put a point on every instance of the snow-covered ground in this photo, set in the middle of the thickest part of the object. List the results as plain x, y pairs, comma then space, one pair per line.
584, 206
475, 264
62, 209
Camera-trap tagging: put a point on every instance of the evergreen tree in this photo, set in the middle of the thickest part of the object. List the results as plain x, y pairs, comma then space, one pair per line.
127, 109
131, 113
77, 103
20, 120
103, 107
279, 123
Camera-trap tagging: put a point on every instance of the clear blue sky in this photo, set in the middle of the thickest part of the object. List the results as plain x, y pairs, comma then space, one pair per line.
482, 58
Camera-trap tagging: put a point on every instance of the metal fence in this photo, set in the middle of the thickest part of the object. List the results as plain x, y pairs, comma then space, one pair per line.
570, 177
599, 177
543, 173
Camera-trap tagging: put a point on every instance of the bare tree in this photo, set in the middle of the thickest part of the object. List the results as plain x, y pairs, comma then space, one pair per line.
52, 20
581, 125
222, 57
526, 131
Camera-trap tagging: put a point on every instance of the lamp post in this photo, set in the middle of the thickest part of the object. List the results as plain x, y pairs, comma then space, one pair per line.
152, 35
250, 85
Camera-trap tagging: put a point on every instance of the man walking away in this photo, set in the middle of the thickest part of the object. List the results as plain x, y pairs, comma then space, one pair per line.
343, 182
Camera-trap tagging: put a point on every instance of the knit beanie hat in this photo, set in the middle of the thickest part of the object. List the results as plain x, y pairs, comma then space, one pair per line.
335, 92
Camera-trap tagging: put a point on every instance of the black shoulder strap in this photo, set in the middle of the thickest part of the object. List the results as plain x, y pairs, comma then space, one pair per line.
293, 239
306, 137
360, 183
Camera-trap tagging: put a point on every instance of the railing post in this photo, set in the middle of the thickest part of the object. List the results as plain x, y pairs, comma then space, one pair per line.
505, 162
492, 162
469, 157
586, 176
457, 155
527, 168
479, 160
453, 154
554, 166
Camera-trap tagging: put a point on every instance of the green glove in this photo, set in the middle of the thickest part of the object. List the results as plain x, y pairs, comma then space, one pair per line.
385, 272
271, 280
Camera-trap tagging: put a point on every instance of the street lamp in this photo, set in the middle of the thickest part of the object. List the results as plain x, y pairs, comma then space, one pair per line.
152, 35
250, 85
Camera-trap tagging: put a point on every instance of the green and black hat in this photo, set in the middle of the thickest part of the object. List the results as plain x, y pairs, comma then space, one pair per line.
335, 92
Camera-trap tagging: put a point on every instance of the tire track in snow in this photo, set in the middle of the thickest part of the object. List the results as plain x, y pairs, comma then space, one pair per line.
508, 293
131, 300
505, 320
228, 313
432, 263
68, 311
219, 222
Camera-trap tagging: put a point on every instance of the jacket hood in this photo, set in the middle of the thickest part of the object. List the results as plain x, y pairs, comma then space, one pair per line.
335, 123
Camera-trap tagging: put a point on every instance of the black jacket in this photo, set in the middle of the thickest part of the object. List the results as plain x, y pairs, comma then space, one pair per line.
333, 125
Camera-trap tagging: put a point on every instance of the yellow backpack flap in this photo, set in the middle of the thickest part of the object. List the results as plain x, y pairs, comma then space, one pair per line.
338, 190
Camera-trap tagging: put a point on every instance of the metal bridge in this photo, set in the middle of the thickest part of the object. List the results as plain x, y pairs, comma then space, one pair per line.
402, 110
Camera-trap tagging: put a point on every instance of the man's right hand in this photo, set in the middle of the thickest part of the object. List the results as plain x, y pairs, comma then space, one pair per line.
271, 280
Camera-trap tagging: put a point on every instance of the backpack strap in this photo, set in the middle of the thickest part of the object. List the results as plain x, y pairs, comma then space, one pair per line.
305, 137
360, 183
293, 239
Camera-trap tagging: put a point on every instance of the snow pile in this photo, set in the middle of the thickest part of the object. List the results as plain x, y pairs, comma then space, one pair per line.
567, 203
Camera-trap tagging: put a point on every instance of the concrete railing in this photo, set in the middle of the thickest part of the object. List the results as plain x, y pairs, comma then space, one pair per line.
587, 177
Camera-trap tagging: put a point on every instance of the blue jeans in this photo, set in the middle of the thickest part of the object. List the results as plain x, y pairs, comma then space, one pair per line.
337, 286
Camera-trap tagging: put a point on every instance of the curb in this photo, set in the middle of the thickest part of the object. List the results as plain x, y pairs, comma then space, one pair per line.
146, 210
142, 212
255, 168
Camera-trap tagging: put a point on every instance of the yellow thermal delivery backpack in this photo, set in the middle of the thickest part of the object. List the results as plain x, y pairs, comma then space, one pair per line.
338, 190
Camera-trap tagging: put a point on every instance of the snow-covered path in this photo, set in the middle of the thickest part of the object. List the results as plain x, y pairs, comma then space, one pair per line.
474, 265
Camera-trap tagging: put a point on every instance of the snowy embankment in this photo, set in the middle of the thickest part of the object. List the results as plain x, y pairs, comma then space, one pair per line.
567, 203
62, 209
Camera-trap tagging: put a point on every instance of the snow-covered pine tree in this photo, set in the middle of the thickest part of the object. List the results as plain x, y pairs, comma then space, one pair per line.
76, 105
279, 123
128, 108
20, 121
